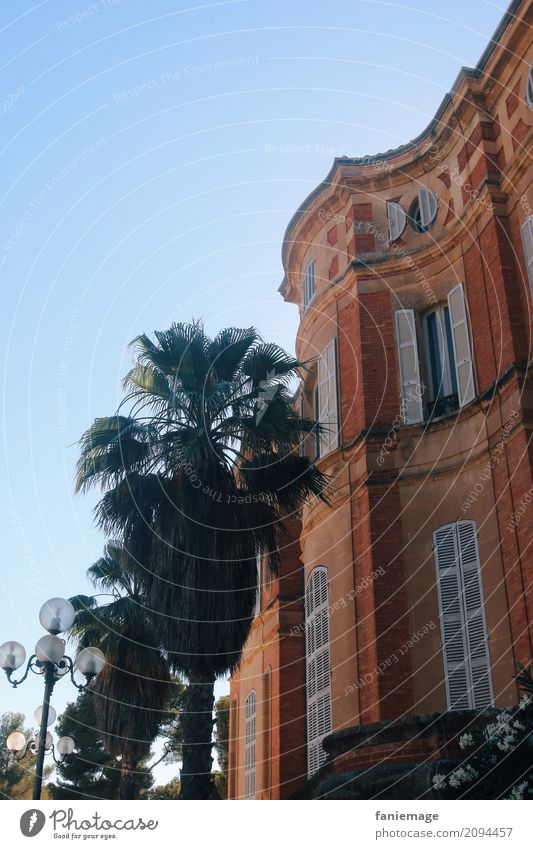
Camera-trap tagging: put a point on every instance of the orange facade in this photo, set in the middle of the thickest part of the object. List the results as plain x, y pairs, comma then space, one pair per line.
412, 592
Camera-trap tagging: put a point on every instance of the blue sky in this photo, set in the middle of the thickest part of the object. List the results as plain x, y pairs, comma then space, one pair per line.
152, 155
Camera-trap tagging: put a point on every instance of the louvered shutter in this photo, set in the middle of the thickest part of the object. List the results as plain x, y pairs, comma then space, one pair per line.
309, 283
318, 672
461, 345
327, 399
526, 231
429, 204
411, 389
529, 88
463, 627
476, 629
452, 618
397, 219
249, 745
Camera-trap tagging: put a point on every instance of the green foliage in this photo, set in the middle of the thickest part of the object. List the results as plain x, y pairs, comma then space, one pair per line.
16, 778
199, 468
222, 743
171, 790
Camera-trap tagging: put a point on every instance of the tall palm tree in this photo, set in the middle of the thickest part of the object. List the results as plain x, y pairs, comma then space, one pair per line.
200, 467
133, 690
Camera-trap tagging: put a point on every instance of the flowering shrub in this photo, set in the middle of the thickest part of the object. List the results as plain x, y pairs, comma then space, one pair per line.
498, 759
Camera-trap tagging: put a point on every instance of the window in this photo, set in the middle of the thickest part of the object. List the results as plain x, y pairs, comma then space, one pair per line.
448, 360
442, 379
397, 220
318, 667
529, 88
249, 745
424, 210
327, 399
526, 231
309, 284
463, 628
267, 753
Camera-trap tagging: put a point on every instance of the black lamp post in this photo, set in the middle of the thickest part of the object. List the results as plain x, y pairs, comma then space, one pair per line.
50, 661
19, 746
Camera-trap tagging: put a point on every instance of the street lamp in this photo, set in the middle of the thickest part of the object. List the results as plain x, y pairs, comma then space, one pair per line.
19, 747
50, 661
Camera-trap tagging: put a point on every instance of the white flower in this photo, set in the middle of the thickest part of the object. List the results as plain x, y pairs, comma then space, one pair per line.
525, 701
518, 790
439, 781
466, 740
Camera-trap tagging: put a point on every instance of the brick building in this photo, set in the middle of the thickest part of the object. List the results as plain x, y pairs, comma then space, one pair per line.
408, 602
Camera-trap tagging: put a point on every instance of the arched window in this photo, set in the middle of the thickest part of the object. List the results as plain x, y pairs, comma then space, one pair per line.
463, 628
318, 667
249, 745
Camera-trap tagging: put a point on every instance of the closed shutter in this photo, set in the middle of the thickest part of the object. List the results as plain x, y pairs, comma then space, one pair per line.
327, 399
526, 231
309, 283
319, 720
429, 204
411, 389
476, 629
452, 619
529, 88
397, 219
461, 345
249, 745
463, 628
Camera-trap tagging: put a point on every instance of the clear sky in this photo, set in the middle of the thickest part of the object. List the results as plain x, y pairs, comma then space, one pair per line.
151, 157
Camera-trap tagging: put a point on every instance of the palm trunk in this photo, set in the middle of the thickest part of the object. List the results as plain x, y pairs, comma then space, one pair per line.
197, 724
126, 788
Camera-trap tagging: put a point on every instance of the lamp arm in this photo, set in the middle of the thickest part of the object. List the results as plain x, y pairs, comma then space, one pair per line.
32, 662
80, 687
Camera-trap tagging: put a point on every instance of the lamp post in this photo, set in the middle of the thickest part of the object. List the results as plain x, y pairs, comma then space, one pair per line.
50, 661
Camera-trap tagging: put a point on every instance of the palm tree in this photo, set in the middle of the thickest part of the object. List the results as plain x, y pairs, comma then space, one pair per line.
133, 690
198, 479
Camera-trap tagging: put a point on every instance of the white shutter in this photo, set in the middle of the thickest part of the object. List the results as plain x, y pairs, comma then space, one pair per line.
429, 204
452, 619
411, 389
476, 629
249, 745
397, 219
529, 88
463, 627
526, 231
309, 283
461, 345
327, 399
318, 668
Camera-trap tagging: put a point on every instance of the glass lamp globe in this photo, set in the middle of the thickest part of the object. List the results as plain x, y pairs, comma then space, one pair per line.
90, 661
49, 740
65, 746
38, 715
12, 655
50, 648
16, 741
56, 615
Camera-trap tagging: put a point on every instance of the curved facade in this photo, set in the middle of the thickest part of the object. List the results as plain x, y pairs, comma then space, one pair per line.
413, 274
